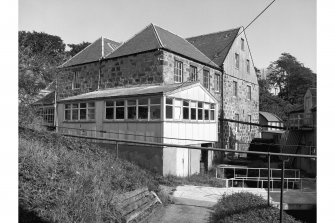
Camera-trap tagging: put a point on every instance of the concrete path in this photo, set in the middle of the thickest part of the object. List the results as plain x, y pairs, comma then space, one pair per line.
195, 203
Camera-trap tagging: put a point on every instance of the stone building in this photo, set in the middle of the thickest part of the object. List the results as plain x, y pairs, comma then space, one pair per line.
221, 62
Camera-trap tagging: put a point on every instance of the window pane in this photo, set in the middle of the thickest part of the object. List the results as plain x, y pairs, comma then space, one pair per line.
131, 102
74, 105
75, 114
110, 113
185, 103
119, 103
143, 101
155, 101
193, 104
82, 114
200, 114
199, 104
169, 112
212, 114
82, 105
193, 113
206, 105
67, 114
186, 113
91, 114
109, 103
155, 112
67, 106
119, 113
206, 114
132, 112
212, 106
169, 101
91, 104
143, 112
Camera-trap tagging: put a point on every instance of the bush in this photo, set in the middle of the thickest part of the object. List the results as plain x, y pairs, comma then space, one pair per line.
71, 180
246, 207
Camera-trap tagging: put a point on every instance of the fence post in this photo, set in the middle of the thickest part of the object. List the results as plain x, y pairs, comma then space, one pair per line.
269, 160
281, 191
117, 149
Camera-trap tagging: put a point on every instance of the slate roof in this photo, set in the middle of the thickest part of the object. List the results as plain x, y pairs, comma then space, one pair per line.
93, 52
48, 99
215, 45
131, 91
270, 117
154, 37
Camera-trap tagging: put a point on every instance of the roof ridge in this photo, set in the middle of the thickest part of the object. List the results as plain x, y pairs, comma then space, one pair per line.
190, 45
214, 32
77, 53
157, 36
128, 40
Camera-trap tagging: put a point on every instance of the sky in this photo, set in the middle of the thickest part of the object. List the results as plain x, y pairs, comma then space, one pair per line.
287, 26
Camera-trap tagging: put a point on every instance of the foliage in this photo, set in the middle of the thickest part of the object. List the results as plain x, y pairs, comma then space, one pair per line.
39, 56
76, 48
70, 180
246, 207
291, 77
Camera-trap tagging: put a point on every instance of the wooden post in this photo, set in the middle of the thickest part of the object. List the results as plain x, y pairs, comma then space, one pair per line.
117, 150
269, 160
282, 191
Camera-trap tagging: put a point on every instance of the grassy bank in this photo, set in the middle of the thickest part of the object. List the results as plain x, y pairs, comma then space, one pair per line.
70, 180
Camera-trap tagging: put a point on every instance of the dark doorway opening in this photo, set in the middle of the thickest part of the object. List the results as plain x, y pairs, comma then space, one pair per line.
204, 158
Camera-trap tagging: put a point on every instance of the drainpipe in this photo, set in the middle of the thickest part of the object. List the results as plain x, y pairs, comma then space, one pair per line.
222, 132
55, 105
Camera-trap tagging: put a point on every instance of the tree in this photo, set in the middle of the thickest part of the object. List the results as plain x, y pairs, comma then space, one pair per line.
76, 48
39, 56
291, 77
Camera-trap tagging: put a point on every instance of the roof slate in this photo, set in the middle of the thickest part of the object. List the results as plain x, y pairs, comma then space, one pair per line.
215, 45
155, 37
130, 91
93, 52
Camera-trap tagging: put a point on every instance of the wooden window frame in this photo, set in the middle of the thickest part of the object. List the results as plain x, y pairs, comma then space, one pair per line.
193, 73
178, 71
75, 80
206, 79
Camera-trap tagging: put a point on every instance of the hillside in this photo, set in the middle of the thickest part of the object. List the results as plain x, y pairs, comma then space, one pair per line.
70, 180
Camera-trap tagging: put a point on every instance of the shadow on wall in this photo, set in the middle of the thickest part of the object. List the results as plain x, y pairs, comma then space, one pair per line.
148, 157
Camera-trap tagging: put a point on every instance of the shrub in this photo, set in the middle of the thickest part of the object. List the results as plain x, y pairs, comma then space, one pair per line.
246, 207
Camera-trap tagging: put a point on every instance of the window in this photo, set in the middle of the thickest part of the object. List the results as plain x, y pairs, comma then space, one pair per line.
186, 110
237, 60
206, 111
249, 120
143, 108
249, 92
109, 114
248, 66
235, 88
212, 112
200, 111
80, 111
193, 106
178, 71
155, 108
177, 109
119, 110
76, 81
206, 79
237, 117
217, 82
131, 109
47, 115
242, 44
169, 108
193, 73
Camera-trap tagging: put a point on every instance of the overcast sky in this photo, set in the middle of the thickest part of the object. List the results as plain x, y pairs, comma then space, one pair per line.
287, 26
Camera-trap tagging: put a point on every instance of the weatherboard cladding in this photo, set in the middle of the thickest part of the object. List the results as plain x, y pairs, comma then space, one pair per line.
154, 37
93, 52
131, 91
215, 45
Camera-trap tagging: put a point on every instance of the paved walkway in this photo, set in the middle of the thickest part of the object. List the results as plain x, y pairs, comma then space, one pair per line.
195, 203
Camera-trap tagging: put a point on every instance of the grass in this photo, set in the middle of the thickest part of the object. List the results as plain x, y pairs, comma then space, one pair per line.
196, 179
246, 207
70, 180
